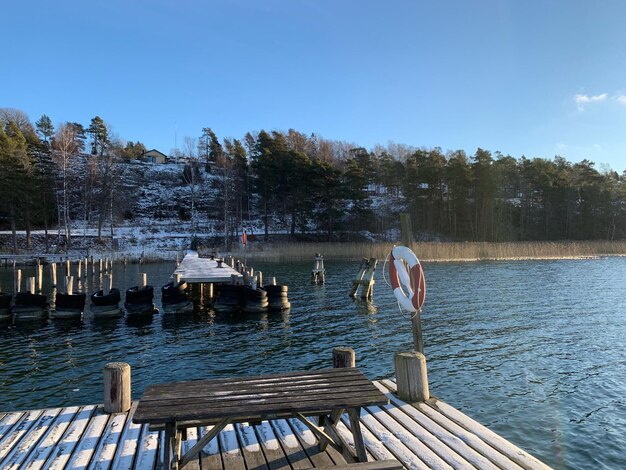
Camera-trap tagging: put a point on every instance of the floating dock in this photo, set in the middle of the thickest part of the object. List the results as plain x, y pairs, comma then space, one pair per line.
424, 435
196, 270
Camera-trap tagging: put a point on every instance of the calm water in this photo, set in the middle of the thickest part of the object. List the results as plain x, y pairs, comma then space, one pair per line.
534, 350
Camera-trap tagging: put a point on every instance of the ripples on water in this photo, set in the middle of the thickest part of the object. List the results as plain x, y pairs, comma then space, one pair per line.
532, 349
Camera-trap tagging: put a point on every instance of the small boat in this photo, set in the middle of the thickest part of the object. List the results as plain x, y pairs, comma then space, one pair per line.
139, 301
106, 306
69, 305
30, 307
174, 298
5, 307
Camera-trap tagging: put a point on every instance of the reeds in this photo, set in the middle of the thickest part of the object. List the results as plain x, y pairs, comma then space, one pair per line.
438, 251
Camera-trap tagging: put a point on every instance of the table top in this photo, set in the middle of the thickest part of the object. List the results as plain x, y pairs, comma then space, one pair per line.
257, 397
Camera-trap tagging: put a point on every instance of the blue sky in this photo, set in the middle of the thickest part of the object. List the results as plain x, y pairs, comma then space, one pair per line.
533, 78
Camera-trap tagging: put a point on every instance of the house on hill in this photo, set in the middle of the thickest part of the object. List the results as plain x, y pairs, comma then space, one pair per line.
154, 156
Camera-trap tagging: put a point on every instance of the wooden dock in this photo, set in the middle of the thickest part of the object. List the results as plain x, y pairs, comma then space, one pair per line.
196, 270
424, 435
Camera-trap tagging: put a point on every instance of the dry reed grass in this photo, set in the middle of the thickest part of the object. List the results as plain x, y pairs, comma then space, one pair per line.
438, 251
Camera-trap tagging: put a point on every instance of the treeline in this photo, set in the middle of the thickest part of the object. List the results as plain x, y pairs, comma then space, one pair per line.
336, 189
304, 185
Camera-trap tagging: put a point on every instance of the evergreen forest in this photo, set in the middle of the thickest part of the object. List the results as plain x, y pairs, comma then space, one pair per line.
304, 186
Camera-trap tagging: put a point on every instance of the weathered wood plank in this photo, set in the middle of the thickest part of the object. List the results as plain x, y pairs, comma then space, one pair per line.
192, 438
276, 458
210, 457
148, 449
517, 455
21, 450
380, 436
475, 435
62, 452
105, 451
88, 442
310, 444
294, 452
446, 444
250, 447
129, 441
232, 457
23, 425
8, 421
44, 448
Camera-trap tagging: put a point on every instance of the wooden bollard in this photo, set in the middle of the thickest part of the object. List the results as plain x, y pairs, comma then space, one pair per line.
344, 357
18, 280
143, 280
273, 281
39, 277
107, 283
69, 284
53, 274
259, 275
411, 376
116, 387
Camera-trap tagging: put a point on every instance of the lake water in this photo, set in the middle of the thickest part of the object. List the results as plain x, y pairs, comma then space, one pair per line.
535, 350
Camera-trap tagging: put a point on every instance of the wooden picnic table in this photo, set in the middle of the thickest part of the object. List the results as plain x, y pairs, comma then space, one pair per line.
326, 393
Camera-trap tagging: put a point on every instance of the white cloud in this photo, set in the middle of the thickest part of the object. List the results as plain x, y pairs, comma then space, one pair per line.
582, 100
621, 99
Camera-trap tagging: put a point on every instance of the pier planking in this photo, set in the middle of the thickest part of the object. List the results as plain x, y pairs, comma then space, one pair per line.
422, 435
196, 270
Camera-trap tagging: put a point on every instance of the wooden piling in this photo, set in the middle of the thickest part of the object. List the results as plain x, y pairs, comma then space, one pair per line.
18, 280
31, 285
100, 261
273, 282
344, 357
411, 376
69, 284
318, 274
53, 274
259, 276
79, 268
116, 387
106, 284
68, 267
39, 276
143, 280
86, 266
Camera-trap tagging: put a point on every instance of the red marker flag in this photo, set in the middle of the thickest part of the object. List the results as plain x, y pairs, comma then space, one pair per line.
244, 238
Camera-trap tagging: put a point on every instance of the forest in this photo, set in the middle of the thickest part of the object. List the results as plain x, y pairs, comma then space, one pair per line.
302, 186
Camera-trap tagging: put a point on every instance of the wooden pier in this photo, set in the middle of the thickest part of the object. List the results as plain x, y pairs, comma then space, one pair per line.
196, 270
430, 434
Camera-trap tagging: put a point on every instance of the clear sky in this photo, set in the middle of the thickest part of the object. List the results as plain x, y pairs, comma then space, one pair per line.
533, 78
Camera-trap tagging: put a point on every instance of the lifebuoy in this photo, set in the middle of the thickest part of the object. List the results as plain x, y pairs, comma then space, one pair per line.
413, 300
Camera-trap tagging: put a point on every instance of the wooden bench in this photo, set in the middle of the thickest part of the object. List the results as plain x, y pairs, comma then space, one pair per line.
324, 393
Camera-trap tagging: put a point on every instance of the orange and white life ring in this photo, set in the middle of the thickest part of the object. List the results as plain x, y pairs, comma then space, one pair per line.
413, 299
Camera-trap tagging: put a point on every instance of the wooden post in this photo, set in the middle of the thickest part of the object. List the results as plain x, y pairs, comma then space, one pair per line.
31, 285
107, 283
68, 267
259, 276
344, 357
18, 280
273, 281
416, 322
176, 278
53, 274
411, 376
100, 265
210, 290
79, 268
69, 284
86, 266
116, 387
356, 284
143, 280
39, 276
